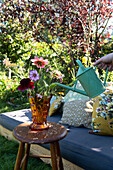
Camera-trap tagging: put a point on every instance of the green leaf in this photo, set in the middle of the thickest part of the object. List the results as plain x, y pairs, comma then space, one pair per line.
46, 85
52, 85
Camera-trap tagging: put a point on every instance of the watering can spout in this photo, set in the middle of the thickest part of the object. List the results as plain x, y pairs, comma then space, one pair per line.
72, 88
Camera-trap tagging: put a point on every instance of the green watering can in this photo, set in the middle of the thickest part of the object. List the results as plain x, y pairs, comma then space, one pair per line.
89, 81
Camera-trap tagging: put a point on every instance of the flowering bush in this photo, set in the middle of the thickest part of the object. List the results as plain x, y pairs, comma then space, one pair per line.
9, 94
41, 79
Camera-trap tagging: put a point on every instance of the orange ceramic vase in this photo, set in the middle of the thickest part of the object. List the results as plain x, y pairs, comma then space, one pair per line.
39, 110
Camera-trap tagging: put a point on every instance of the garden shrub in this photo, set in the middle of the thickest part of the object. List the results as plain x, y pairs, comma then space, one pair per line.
9, 92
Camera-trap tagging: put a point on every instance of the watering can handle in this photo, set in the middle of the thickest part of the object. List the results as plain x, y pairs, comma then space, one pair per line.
75, 83
80, 64
105, 75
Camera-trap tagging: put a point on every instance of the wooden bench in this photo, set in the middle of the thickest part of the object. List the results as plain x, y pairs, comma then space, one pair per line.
79, 149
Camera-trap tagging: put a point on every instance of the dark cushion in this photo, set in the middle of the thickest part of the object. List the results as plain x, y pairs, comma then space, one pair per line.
88, 151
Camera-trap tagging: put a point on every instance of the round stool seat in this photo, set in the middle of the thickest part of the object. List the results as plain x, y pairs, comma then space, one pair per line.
55, 132
52, 135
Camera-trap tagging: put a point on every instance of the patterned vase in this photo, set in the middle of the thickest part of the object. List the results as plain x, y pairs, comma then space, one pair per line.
39, 110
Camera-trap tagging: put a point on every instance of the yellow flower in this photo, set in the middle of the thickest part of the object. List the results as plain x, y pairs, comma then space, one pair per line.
84, 60
105, 41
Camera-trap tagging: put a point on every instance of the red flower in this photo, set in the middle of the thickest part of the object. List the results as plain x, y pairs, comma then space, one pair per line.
12, 100
25, 84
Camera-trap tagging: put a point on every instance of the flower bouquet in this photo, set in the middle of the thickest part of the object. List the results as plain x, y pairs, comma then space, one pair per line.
40, 88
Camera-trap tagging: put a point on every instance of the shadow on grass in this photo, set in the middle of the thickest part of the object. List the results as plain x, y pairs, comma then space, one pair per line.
5, 107
8, 154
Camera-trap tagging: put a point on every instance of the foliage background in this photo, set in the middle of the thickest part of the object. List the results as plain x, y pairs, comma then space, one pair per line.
58, 30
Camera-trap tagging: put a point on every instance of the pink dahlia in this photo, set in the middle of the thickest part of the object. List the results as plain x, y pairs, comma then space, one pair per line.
25, 84
33, 75
39, 62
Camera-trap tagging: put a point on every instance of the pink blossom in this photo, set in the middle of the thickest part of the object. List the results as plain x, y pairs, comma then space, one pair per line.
39, 62
57, 74
48, 69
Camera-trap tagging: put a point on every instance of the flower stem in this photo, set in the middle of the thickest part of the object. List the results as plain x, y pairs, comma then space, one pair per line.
41, 77
35, 83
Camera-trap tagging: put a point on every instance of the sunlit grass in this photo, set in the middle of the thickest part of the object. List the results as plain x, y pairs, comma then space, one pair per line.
5, 107
8, 154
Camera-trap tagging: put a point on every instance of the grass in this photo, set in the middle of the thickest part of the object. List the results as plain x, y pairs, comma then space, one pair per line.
9, 149
5, 107
8, 153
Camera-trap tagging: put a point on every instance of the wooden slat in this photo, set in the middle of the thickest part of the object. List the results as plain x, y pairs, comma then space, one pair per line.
41, 156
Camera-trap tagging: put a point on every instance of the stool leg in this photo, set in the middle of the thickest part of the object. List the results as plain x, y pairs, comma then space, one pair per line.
19, 156
27, 150
59, 158
53, 156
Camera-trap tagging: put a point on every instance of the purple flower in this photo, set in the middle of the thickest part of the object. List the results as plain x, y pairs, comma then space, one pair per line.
33, 75
38, 95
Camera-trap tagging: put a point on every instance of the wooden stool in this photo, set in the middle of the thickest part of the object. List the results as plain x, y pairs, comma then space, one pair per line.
52, 135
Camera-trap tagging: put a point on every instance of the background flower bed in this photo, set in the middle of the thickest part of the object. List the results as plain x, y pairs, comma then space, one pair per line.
61, 31
8, 87
10, 97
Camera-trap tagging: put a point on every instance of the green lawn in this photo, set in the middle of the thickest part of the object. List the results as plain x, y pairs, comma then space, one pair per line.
8, 153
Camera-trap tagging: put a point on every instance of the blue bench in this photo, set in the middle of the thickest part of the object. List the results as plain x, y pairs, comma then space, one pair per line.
88, 151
